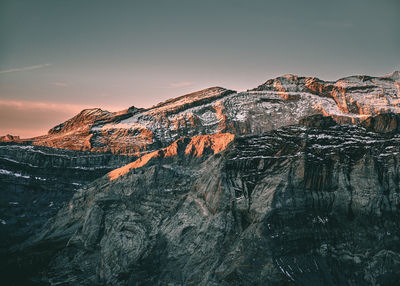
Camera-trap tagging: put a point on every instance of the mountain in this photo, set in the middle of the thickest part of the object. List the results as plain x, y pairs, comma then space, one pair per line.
299, 205
295, 182
278, 102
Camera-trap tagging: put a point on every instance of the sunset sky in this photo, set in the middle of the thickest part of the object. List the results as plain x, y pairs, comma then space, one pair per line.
60, 56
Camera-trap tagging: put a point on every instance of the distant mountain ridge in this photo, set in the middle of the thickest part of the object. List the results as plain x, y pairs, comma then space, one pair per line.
276, 103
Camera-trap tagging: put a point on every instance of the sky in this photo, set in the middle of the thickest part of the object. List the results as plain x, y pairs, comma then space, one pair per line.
58, 57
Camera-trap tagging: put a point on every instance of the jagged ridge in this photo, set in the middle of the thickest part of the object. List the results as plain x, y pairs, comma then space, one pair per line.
278, 102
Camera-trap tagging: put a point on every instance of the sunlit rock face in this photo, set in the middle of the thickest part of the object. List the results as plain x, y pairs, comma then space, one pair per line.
198, 146
296, 206
136, 131
278, 102
9, 138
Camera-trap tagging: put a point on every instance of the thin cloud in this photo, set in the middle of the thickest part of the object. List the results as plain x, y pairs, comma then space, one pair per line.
33, 118
180, 84
59, 83
28, 68
27, 105
54, 106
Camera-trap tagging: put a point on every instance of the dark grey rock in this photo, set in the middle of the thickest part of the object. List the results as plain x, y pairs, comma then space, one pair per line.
295, 206
34, 183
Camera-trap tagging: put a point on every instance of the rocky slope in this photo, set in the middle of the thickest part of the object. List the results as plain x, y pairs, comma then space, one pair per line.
278, 102
295, 182
301, 205
36, 181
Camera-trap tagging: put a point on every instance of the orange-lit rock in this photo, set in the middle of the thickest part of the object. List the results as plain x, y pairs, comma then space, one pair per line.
87, 146
202, 143
339, 95
134, 165
172, 150
316, 86
10, 138
194, 147
84, 119
219, 112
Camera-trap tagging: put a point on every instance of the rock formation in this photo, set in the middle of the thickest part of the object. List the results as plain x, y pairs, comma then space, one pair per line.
296, 182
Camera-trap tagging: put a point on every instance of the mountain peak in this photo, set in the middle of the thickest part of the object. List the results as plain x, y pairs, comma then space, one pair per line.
289, 76
286, 82
85, 118
395, 75
92, 111
9, 138
193, 98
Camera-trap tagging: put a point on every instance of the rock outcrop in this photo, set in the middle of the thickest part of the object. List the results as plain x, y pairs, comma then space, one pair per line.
383, 123
10, 138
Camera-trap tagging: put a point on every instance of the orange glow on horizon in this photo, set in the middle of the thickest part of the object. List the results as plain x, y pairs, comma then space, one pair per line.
34, 118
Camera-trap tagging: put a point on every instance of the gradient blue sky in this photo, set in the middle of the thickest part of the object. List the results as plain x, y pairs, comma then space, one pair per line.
59, 56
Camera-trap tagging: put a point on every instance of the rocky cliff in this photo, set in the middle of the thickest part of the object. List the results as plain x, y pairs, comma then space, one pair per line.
36, 181
295, 206
295, 182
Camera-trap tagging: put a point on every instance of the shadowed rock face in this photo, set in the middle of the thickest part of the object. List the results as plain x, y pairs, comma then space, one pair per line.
294, 206
383, 123
34, 183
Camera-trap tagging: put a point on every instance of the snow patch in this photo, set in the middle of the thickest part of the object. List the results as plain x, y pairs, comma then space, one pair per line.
9, 173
